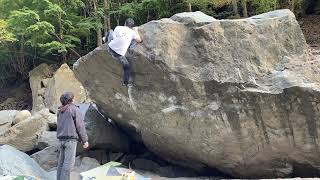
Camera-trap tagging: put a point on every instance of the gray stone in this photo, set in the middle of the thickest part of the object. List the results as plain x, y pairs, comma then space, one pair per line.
100, 155
14, 162
193, 18
62, 81
53, 174
47, 158
6, 119
175, 171
102, 135
24, 135
51, 118
116, 156
85, 163
21, 116
37, 85
145, 164
213, 96
46, 139
47, 86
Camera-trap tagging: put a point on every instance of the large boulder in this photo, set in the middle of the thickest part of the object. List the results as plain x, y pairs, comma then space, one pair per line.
6, 119
14, 162
38, 79
102, 134
62, 81
47, 85
24, 135
240, 96
47, 158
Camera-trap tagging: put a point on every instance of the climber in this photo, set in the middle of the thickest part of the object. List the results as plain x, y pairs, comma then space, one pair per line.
70, 129
119, 41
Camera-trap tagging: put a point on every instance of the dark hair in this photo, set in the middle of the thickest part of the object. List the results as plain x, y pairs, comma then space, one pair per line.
66, 98
129, 23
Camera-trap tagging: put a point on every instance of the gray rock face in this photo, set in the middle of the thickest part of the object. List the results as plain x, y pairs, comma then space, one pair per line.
193, 18
24, 135
85, 164
237, 95
51, 118
6, 119
102, 135
38, 78
47, 86
14, 162
47, 139
47, 158
21, 116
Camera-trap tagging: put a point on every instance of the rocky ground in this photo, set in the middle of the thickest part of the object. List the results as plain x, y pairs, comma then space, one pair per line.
310, 27
18, 97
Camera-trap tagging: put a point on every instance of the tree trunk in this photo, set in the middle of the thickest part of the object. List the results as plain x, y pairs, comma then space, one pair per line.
21, 63
235, 7
244, 8
98, 30
189, 7
107, 23
292, 5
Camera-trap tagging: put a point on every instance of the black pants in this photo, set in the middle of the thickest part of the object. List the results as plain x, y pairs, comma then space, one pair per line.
127, 72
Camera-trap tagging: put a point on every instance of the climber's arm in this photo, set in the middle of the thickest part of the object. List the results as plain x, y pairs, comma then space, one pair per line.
138, 37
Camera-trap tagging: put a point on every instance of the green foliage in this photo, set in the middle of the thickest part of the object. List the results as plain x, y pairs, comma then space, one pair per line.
20, 20
39, 33
5, 35
262, 6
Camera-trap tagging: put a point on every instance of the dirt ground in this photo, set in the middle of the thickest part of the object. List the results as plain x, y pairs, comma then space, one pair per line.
310, 26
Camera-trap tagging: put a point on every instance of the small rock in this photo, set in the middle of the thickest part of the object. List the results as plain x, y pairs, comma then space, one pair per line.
21, 116
197, 18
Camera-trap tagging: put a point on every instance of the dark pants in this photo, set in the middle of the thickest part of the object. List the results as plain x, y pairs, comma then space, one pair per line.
66, 158
127, 72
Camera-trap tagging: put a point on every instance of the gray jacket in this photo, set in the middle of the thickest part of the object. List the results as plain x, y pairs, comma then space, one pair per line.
71, 124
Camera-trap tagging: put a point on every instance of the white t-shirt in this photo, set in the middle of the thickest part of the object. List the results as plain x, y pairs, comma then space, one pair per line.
122, 37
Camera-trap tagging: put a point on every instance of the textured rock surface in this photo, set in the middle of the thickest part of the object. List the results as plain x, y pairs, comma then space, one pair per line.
47, 158
21, 116
193, 18
237, 95
14, 162
24, 135
102, 135
6, 119
47, 86
38, 79
62, 81
51, 118
46, 139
